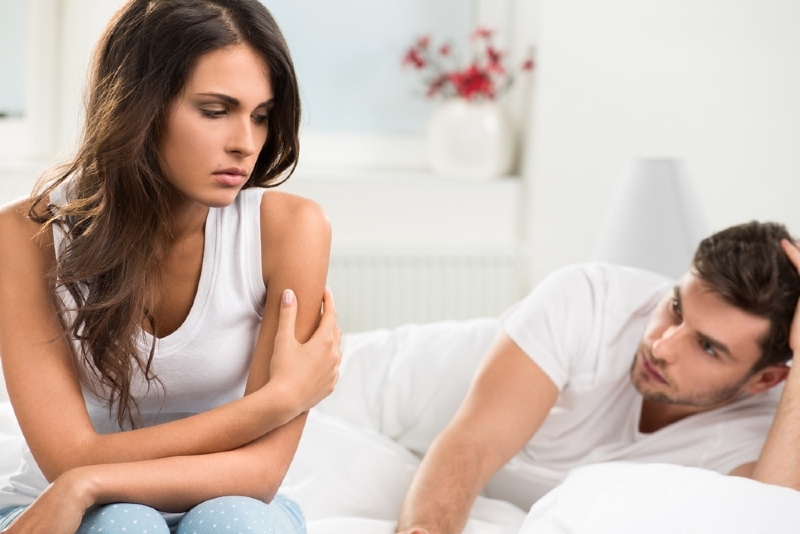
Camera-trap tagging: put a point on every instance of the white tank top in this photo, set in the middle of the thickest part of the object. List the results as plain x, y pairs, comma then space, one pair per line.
205, 362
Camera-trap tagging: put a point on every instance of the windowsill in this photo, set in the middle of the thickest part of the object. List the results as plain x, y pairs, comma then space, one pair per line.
394, 176
8, 165
17, 178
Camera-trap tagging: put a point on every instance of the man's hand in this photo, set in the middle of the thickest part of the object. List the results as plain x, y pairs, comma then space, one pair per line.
793, 253
779, 462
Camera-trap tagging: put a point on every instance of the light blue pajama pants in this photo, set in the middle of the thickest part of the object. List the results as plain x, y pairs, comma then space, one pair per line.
229, 515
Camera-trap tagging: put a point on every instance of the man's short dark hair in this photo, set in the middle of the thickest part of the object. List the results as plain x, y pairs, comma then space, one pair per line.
746, 266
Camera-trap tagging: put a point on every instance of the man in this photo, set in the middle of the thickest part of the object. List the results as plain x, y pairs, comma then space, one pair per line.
603, 363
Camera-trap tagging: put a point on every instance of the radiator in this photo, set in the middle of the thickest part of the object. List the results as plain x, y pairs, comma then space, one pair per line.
374, 289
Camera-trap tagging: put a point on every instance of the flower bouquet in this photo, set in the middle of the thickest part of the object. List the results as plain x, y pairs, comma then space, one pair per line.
469, 134
485, 76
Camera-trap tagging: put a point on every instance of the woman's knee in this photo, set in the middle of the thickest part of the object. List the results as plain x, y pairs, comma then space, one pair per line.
123, 517
244, 514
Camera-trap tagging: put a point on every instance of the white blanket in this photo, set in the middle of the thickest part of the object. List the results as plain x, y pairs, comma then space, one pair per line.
351, 480
398, 388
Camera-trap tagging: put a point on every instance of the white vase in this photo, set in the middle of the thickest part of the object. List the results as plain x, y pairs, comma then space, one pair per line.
470, 139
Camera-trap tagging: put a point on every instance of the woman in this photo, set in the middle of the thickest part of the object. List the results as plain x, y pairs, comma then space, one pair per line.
152, 293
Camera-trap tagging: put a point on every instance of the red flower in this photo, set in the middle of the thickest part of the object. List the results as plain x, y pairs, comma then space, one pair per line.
472, 82
484, 77
495, 60
482, 33
414, 58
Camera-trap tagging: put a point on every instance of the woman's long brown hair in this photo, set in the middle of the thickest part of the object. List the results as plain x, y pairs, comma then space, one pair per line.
117, 218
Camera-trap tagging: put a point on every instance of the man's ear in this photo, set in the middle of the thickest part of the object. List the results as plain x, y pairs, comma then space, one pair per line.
766, 378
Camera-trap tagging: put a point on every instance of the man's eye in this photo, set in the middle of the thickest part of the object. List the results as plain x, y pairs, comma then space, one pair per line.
708, 348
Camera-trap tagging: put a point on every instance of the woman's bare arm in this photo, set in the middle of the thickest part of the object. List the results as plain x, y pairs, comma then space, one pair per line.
43, 384
170, 484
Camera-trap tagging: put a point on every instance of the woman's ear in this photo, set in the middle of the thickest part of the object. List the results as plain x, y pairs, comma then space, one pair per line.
766, 378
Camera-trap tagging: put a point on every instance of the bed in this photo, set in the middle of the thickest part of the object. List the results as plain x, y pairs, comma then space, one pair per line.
399, 387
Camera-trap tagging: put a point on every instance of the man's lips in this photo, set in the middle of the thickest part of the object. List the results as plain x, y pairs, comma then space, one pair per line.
651, 370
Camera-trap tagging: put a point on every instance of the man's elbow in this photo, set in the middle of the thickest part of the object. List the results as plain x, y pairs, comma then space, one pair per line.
744, 470
774, 475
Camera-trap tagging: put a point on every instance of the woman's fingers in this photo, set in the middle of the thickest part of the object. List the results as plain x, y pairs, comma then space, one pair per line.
288, 315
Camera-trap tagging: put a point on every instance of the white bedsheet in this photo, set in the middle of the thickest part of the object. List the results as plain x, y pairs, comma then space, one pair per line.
10, 442
352, 480
397, 390
400, 387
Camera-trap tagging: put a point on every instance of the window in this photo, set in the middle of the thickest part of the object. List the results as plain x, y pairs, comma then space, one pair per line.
12, 58
28, 30
361, 109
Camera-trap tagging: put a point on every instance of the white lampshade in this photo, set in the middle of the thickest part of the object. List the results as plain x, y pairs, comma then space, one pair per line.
655, 220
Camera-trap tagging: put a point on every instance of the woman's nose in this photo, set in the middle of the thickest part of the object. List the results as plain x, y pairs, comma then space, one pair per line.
242, 140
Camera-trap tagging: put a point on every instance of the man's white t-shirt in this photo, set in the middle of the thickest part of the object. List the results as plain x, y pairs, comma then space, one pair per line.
582, 326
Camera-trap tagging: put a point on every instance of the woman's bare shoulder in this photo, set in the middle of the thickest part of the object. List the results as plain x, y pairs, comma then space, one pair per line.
283, 203
14, 217
19, 233
15, 208
289, 214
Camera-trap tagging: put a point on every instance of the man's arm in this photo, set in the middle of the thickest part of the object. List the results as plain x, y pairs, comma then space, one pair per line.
507, 402
779, 461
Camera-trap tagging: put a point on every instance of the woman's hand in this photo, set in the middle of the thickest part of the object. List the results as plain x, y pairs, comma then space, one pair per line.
59, 509
308, 371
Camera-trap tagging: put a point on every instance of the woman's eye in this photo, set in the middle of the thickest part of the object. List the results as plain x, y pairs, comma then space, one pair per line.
676, 307
213, 113
260, 119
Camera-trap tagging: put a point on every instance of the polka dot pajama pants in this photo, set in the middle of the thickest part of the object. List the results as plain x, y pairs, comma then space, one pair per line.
228, 515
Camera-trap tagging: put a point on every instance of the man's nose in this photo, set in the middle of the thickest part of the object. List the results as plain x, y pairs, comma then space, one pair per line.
667, 345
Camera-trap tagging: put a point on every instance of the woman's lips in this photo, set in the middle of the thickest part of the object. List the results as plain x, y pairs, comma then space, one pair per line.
231, 177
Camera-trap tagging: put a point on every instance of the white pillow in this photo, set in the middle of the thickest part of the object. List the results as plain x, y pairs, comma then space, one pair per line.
349, 479
355, 525
629, 498
341, 470
407, 383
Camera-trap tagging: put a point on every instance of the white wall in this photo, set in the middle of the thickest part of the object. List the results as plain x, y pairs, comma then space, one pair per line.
713, 81
716, 82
